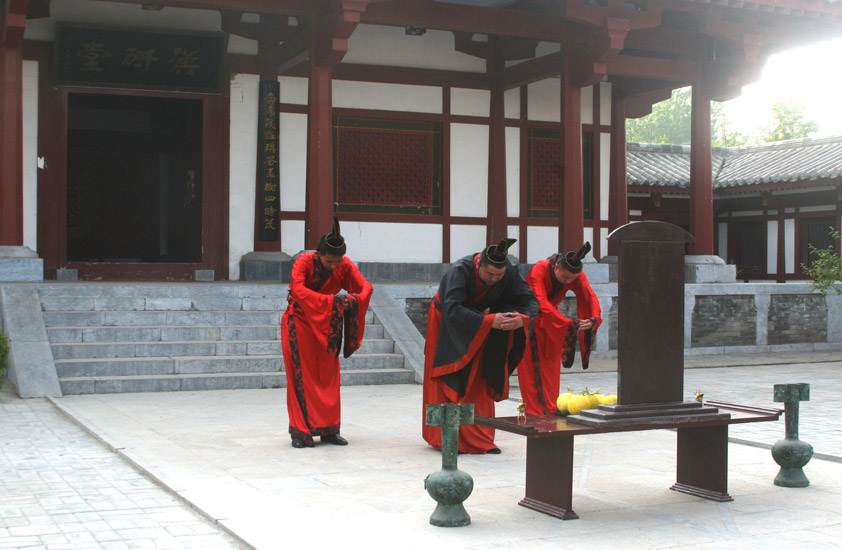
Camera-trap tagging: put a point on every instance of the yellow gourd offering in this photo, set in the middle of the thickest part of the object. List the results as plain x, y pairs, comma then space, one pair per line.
561, 403
577, 403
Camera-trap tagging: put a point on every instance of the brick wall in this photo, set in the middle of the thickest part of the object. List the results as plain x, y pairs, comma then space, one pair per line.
724, 321
797, 318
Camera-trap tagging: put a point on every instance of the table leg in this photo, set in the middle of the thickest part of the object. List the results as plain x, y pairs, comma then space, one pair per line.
702, 462
549, 476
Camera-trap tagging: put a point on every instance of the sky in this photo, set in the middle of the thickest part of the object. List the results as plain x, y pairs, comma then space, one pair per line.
809, 74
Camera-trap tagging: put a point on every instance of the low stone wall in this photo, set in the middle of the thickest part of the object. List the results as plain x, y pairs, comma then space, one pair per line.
719, 317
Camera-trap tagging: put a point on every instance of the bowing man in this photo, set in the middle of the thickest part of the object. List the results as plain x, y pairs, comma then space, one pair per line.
553, 337
314, 325
476, 335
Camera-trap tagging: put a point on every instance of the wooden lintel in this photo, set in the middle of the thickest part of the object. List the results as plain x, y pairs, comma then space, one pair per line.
294, 8
546, 66
659, 69
671, 42
582, 11
411, 75
473, 19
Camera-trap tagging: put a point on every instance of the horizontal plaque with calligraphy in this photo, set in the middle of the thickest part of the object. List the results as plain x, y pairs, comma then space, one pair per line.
115, 57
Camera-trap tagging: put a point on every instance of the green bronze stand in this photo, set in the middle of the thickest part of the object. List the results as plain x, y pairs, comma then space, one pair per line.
449, 486
791, 453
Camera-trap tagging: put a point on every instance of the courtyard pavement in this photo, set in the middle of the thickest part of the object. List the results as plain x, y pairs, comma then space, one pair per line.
215, 470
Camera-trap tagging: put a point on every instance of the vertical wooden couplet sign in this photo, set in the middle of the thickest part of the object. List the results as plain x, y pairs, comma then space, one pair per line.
268, 176
650, 308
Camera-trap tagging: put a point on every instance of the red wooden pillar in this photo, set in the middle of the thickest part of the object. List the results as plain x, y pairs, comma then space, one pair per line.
497, 227
618, 202
701, 180
572, 215
11, 145
318, 217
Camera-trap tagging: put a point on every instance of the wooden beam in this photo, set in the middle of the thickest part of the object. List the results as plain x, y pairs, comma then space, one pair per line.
650, 67
473, 19
641, 15
294, 8
546, 66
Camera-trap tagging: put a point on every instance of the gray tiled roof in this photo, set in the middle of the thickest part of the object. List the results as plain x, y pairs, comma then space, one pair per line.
797, 160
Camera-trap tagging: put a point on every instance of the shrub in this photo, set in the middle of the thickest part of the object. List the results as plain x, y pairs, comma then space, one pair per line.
826, 270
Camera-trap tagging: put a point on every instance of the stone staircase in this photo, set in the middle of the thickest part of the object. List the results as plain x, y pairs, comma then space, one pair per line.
142, 337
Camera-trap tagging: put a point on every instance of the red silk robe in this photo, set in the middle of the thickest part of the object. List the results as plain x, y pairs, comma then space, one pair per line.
312, 331
465, 360
553, 339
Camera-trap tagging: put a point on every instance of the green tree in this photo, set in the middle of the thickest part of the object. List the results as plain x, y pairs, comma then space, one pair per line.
669, 122
789, 122
826, 269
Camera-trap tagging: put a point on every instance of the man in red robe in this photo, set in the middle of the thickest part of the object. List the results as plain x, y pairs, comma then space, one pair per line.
553, 336
476, 334
315, 322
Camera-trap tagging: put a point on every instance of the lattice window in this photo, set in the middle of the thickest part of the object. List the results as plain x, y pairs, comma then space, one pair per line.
387, 166
544, 173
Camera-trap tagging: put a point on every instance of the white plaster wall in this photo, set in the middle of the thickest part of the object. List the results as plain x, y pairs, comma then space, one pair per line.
543, 241
292, 236
470, 102
722, 245
386, 242
587, 105
242, 173
544, 100
119, 13
293, 169
604, 174
468, 170
466, 239
587, 237
772, 247
513, 232
387, 97
512, 172
30, 154
390, 46
511, 103
293, 90
605, 103
789, 245
603, 241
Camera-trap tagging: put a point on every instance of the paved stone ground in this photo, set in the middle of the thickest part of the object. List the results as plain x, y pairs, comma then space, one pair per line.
62, 489
227, 454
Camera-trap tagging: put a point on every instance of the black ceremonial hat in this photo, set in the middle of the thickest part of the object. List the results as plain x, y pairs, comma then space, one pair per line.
499, 253
332, 243
572, 261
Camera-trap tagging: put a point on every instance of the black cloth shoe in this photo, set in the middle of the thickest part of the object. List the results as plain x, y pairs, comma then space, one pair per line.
297, 443
334, 439
494, 451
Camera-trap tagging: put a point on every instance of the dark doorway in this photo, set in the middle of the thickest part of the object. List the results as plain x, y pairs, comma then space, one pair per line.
134, 179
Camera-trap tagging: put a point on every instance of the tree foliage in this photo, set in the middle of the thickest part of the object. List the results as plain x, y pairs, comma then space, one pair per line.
669, 122
826, 270
789, 122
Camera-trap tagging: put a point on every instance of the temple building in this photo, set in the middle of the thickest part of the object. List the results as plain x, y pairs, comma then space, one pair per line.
168, 140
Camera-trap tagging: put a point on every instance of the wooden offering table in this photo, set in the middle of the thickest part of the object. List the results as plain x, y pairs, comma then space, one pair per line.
701, 462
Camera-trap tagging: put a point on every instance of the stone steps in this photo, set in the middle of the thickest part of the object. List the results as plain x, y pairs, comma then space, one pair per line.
109, 338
